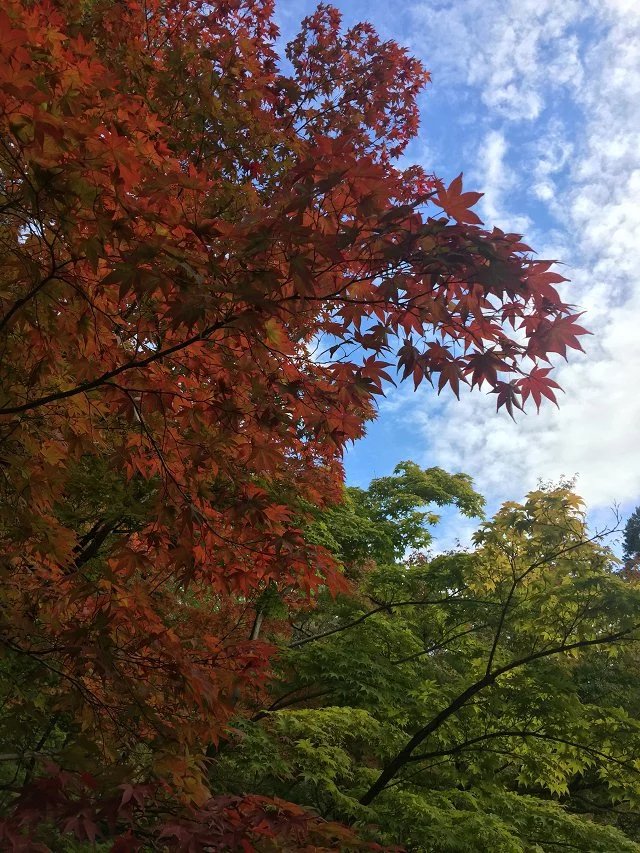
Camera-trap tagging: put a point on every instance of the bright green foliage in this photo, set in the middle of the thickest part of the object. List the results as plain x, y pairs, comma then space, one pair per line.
468, 702
383, 521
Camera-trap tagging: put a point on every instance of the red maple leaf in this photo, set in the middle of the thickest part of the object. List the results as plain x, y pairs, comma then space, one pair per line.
456, 204
538, 385
508, 396
556, 335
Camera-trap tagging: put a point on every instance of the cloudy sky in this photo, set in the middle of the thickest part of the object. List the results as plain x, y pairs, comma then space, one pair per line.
538, 102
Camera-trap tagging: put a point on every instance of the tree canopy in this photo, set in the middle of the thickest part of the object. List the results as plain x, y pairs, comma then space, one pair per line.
474, 700
212, 264
631, 540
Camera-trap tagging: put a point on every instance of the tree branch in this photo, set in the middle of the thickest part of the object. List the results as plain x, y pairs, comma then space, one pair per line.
405, 754
461, 747
92, 384
381, 609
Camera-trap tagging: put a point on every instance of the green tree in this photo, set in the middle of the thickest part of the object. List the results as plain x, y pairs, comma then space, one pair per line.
394, 514
462, 702
631, 539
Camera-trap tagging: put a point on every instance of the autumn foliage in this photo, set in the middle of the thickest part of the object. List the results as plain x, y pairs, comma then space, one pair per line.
211, 265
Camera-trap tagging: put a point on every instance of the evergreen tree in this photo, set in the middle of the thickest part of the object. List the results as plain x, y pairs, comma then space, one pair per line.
631, 539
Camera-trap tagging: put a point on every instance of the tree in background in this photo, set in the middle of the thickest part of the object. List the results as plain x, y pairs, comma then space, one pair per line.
631, 541
382, 522
475, 700
183, 227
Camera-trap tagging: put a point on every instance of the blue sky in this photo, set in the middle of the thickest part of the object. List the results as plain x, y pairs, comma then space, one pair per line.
538, 102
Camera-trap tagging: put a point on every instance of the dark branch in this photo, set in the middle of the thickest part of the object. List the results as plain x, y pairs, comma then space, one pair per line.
405, 754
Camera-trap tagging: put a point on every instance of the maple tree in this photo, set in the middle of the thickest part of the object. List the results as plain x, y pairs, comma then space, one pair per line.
209, 266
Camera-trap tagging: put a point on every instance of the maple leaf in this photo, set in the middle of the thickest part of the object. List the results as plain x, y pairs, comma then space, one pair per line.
450, 373
485, 366
407, 358
556, 335
456, 204
538, 385
509, 396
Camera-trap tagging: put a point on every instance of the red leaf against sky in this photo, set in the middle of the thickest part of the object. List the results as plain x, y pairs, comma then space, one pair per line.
554, 335
509, 396
457, 204
538, 385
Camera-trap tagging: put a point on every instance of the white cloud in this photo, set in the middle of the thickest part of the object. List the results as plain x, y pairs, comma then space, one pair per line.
588, 172
552, 155
513, 51
498, 179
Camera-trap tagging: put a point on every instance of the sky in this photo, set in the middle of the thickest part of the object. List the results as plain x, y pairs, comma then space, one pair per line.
538, 102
